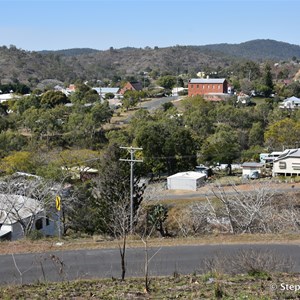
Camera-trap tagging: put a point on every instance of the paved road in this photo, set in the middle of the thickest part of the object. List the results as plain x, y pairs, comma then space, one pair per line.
151, 105
30, 268
157, 102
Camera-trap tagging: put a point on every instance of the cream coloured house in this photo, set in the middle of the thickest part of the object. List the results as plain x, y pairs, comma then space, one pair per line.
287, 164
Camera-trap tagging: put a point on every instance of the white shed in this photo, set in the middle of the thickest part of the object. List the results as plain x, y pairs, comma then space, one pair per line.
250, 167
186, 181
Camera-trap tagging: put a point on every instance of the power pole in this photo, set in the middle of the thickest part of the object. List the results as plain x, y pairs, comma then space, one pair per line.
131, 150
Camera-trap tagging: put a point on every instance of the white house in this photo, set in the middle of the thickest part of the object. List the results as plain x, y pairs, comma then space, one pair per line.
292, 102
102, 91
19, 214
287, 164
186, 181
177, 90
268, 159
7, 97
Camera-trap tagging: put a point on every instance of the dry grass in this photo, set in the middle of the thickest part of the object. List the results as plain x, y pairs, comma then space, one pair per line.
209, 286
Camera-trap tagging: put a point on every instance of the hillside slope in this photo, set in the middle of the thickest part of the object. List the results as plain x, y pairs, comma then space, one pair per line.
90, 64
258, 50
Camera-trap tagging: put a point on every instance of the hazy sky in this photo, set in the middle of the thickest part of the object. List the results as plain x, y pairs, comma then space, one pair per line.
101, 24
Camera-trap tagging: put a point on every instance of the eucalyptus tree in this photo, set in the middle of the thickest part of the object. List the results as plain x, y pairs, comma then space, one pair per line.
221, 147
283, 134
167, 146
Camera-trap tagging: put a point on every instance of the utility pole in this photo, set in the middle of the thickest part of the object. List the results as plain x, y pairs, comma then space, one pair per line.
131, 150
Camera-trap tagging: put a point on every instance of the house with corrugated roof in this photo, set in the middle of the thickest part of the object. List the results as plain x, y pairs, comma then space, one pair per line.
102, 91
287, 164
291, 103
20, 215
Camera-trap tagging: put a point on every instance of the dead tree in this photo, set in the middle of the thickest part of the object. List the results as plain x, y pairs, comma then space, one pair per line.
246, 211
120, 228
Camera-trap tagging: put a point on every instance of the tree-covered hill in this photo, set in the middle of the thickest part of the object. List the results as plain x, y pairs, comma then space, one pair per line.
90, 64
70, 52
258, 50
18, 65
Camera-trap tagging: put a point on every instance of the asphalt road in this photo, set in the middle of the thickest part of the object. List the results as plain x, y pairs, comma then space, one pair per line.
71, 265
152, 104
157, 102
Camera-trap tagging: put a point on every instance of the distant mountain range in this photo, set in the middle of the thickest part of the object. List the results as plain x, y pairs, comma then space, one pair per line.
260, 49
83, 63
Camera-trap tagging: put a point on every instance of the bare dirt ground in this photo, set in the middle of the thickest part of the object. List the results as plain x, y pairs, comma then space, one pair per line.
206, 189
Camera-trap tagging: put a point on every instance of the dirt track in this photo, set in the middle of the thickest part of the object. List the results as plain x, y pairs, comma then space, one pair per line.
207, 189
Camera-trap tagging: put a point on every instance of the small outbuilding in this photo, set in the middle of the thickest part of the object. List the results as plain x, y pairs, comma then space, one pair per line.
186, 181
252, 167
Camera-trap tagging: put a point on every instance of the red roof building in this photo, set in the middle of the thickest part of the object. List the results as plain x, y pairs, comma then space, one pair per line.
131, 86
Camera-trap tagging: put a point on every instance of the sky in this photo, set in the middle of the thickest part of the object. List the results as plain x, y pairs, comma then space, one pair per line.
35, 25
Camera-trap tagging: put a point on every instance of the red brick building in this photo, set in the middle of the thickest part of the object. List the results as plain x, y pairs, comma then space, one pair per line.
131, 86
201, 86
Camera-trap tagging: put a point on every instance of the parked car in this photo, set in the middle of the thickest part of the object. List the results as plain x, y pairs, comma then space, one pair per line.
254, 175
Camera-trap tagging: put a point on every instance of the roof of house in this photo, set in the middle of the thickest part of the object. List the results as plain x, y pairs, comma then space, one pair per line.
252, 164
16, 207
136, 85
294, 153
291, 99
207, 80
6, 97
105, 90
188, 175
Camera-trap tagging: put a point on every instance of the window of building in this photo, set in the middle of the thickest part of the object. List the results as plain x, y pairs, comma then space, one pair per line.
39, 224
219, 87
191, 86
282, 165
197, 86
296, 166
203, 86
